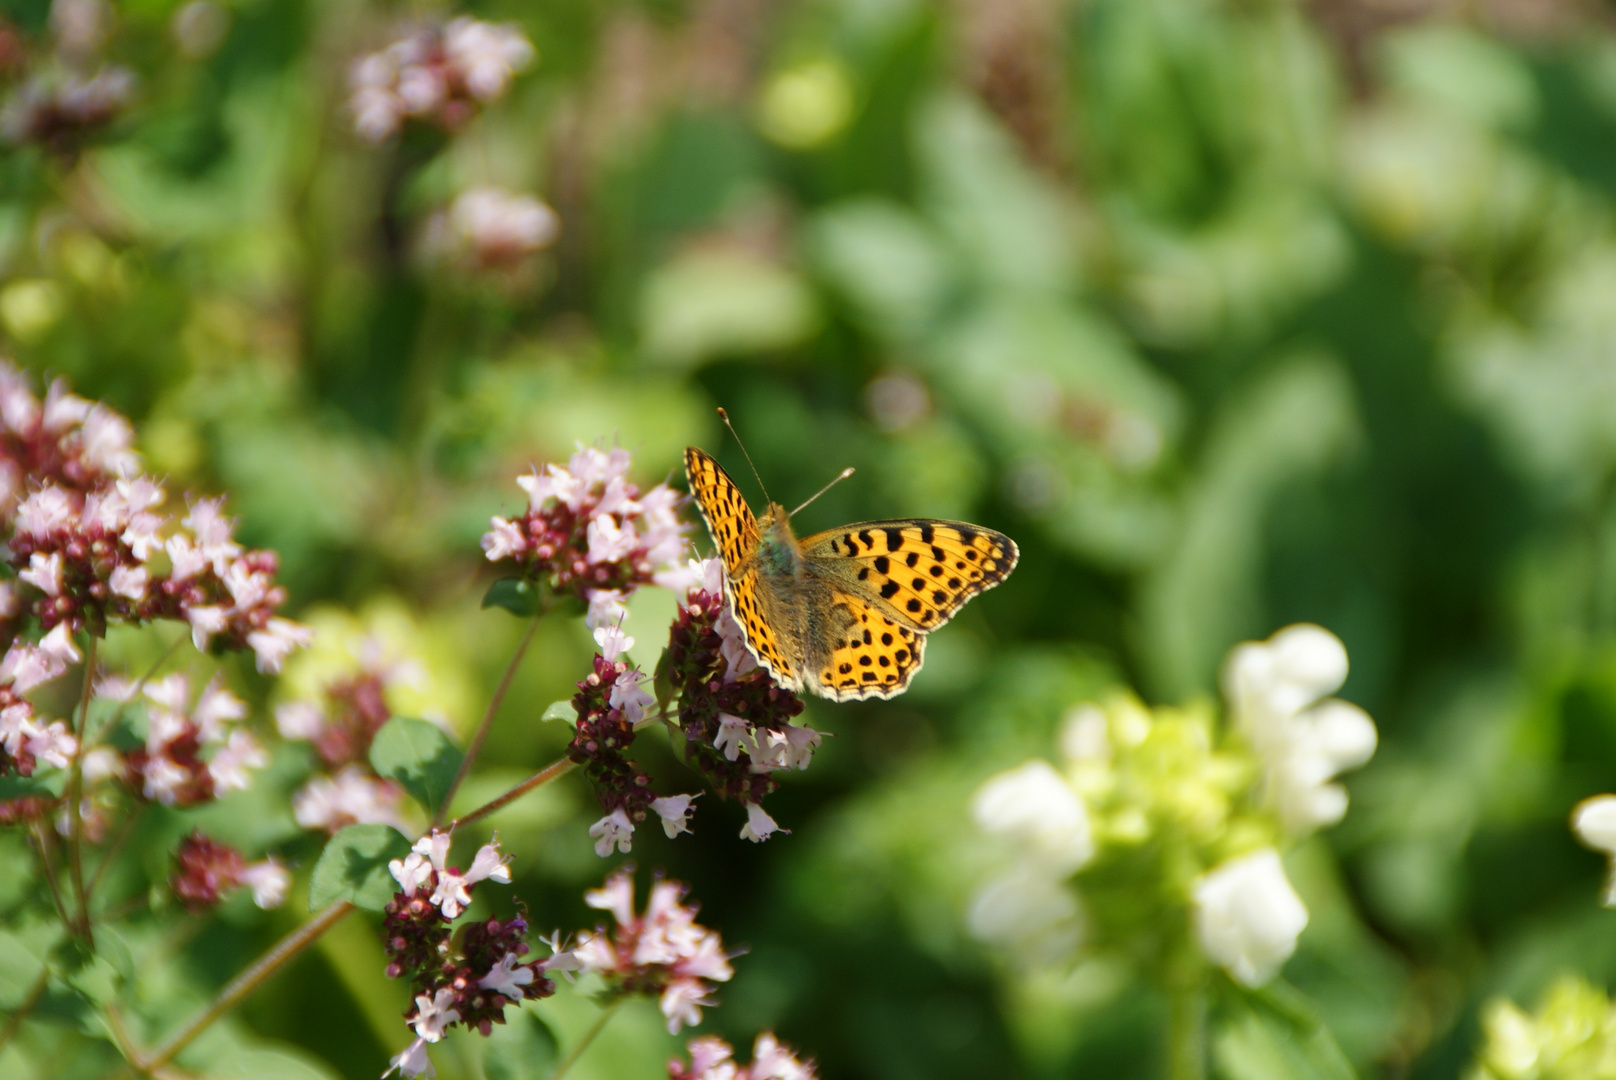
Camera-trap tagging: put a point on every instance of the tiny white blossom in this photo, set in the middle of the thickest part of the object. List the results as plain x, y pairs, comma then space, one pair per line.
1247, 916
682, 1002
275, 642
506, 978
206, 620
606, 608
615, 829
229, 766
1594, 822
299, 720
759, 825
269, 881
44, 572
628, 695
130, 582
433, 1015
674, 810
609, 542
53, 745
503, 539
413, 1061
1034, 806
734, 735
612, 641
58, 645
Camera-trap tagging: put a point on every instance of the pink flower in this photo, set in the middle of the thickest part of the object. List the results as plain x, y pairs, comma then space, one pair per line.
675, 811
759, 825
615, 829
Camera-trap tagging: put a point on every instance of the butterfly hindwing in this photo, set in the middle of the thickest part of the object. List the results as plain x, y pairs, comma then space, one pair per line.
916, 571
874, 657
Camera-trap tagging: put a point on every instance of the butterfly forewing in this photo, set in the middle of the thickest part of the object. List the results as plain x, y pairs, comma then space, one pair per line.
735, 531
876, 657
918, 572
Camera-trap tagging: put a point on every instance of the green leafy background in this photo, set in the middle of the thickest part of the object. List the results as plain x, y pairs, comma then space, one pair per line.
1233, 314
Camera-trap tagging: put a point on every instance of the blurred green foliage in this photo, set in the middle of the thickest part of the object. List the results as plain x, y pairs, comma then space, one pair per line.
1234, 314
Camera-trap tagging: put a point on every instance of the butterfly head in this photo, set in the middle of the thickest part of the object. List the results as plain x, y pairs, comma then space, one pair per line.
777, 544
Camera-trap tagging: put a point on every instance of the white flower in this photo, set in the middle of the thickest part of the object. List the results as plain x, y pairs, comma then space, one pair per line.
486, 54
1247, 916
674, 810
129, 582
1034, 806
506, 978
299, 720
800, 743
612, 641
229, 766
628, 695
554, 483
214, 708
681, 1003
53, 745
759, 825
1027, 911
501, 226
206, 620
414, 1060
27, 666
734, 735
352, 797
616, 896
1274, 690
503, 539
738, 659
268, 881
1594, 822
606, 608
44, 572
276, 641
45, 510
615, 829
163, 779
609, 542
433, 1015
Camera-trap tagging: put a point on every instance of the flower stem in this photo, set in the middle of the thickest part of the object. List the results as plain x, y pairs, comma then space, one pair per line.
476, 744
583, 1044
75, 796
22, 1012
1186, 1043
43, 843
543, 776
245, 983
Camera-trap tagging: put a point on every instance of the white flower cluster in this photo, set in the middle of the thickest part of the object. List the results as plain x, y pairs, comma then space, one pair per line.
441, 75
1130, 775
427, 864
354, 796
22, 731
1276, 694
1029, 908
87, 431
171, 770
489, 226
711, 1058
665, 946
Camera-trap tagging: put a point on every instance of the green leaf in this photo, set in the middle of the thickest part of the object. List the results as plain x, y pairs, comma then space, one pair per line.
518, 596
524, 1048
53, 783
560, 710
419, 756
353, 867
19, 970
663, 683
1274, 1034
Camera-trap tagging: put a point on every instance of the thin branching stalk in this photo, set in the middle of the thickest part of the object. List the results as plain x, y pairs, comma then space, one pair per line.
23, 1011
476, 744
583, 1044
538, 779
43, 845
245, 983
75, 796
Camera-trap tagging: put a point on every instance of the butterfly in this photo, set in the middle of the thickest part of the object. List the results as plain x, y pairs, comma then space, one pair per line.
843, 613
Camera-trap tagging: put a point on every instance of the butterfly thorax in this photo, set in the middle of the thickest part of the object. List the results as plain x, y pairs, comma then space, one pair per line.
777, 552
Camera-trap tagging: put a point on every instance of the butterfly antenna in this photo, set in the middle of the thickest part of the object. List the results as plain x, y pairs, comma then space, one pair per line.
843, 475
724, 416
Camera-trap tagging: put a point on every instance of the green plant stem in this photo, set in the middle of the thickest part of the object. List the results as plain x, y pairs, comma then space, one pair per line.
538, 779
75, 796
476, 744
244, 984
22, 1012
583, 1044
1186, 1044
43, 844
